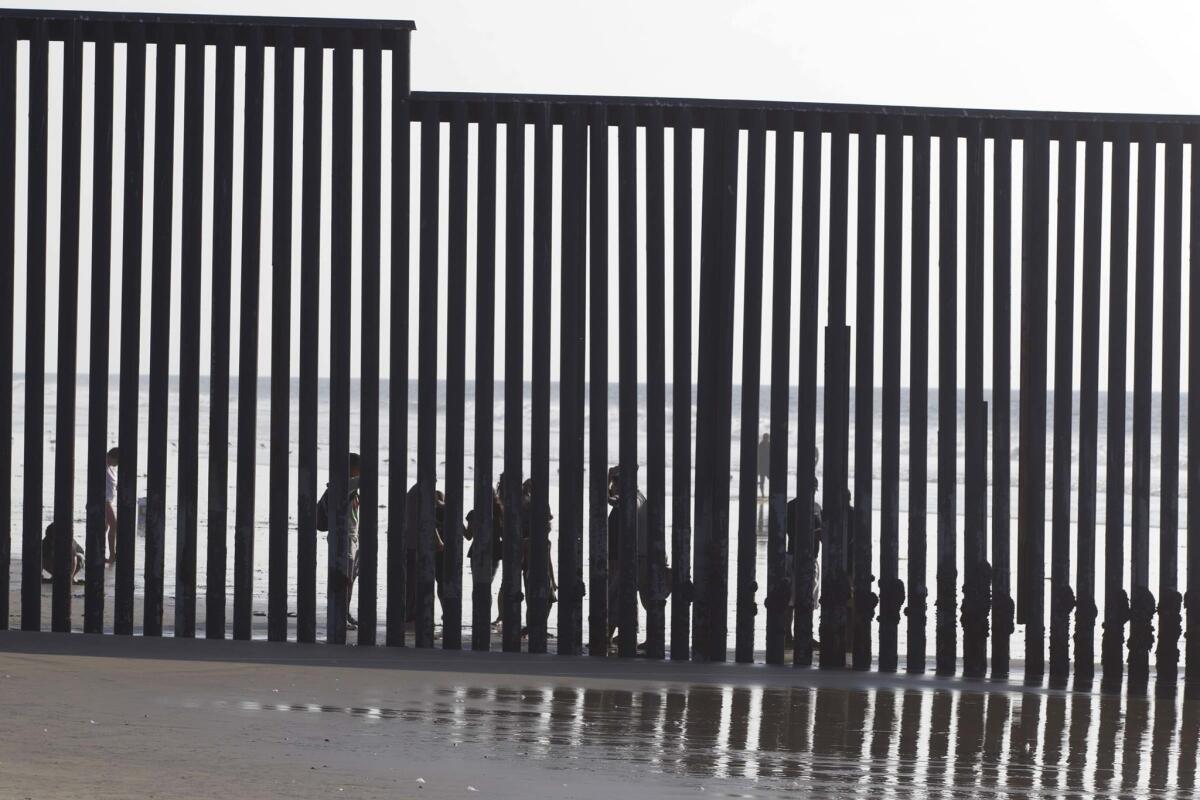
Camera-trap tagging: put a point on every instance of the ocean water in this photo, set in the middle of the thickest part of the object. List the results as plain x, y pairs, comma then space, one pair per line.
403, 468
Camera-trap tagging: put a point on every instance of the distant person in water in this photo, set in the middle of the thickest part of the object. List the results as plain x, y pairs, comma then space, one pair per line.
48, 556
764, 463
112, 461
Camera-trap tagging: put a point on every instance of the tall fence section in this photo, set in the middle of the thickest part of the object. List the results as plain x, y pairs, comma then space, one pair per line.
906, 166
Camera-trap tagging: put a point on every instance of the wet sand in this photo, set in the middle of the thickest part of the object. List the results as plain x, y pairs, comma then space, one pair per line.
90, 716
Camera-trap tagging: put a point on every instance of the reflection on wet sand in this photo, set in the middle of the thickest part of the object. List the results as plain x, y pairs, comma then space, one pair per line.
954, 742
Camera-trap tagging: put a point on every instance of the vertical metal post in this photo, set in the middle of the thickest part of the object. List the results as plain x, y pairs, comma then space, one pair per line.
68, 310
281, 323
1002, 604
976, 585
572, 353
1031, 510
243, 532
427, 377
627, 341
131, 301
947, 456
713, 396
1142, 604
681, 393
485, 321
98, 430
1170, 601
310, 288
891, 588
1192, 568
1116, 601
8, 197
752, 301
538, 581
398, 402
598, 611
189, 336
806, 431
1062, 600
514, 378
368, 566
656, 365
835, 587
160, 321
863, 601
456, 356
779, 585
918, 411
341, 266
222, 260
35, 339
1089, 369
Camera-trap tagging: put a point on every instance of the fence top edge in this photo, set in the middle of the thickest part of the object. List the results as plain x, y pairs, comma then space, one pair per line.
1076, 121
118, 19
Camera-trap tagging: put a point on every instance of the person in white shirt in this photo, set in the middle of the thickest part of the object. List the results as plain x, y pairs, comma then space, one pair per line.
110, 502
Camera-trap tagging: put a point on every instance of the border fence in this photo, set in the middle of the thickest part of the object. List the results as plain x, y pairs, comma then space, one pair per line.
859, 615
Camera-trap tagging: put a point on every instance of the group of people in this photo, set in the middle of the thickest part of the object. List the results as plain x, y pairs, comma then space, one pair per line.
112, 461
350, 567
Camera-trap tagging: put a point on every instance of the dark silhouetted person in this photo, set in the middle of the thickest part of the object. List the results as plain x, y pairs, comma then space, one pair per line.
412, 533
48, 556
615, 534
764, 463
349, 568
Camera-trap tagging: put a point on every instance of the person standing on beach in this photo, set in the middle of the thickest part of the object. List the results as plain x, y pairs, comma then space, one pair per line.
349, 567
112, 461
764, 463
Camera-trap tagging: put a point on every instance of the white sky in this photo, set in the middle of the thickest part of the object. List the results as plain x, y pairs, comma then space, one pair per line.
1077, 56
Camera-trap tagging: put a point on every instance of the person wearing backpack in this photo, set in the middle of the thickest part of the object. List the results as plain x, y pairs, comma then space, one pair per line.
354, 501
